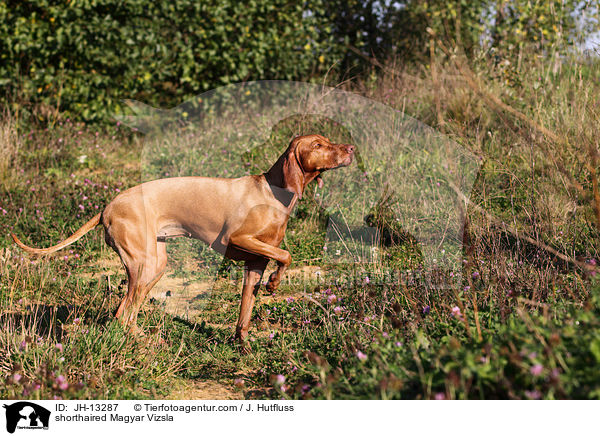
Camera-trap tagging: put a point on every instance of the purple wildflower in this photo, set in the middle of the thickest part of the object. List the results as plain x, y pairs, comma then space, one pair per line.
536, 369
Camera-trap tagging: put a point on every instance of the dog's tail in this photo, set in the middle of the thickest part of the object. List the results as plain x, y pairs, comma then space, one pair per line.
94, 222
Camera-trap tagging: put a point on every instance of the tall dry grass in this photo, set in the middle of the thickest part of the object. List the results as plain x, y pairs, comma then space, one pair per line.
535, 208
9, 148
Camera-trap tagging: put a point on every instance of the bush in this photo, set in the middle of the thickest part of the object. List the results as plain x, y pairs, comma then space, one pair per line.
83, 58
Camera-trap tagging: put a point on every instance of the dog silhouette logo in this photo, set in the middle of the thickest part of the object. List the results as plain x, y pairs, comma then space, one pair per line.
26, 415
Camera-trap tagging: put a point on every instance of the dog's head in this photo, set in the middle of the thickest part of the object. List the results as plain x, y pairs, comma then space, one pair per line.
310, 155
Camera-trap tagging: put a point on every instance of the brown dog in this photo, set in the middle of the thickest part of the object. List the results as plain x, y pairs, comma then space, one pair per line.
244, 219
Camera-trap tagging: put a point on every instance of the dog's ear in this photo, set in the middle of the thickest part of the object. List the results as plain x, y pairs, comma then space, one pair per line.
292, 173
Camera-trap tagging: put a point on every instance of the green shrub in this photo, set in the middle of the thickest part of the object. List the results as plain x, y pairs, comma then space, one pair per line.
87, 55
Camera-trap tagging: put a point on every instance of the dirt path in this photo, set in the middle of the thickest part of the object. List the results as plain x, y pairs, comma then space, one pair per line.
204, 390
178, 295
184, 299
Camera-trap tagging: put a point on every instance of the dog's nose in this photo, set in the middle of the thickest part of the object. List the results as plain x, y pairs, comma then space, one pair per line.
350, 148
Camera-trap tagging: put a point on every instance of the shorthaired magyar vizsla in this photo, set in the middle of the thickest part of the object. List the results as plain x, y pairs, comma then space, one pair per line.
244, 219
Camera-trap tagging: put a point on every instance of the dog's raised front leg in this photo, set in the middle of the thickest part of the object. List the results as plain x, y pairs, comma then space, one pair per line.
275, 277
253, 245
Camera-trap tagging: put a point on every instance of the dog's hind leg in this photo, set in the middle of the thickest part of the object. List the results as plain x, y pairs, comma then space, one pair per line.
143, 272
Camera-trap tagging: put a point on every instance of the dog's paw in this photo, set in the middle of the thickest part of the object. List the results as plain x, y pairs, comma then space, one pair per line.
273, 282
241, 345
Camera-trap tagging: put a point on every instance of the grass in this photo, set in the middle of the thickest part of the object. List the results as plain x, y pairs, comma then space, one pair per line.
522, 324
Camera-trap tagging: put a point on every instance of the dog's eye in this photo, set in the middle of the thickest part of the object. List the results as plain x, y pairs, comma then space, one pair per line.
316, 145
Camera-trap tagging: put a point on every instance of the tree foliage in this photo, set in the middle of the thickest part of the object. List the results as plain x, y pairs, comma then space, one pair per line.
387, 28
84, 56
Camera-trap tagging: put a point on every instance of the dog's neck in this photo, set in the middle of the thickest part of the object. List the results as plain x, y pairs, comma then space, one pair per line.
287, 173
